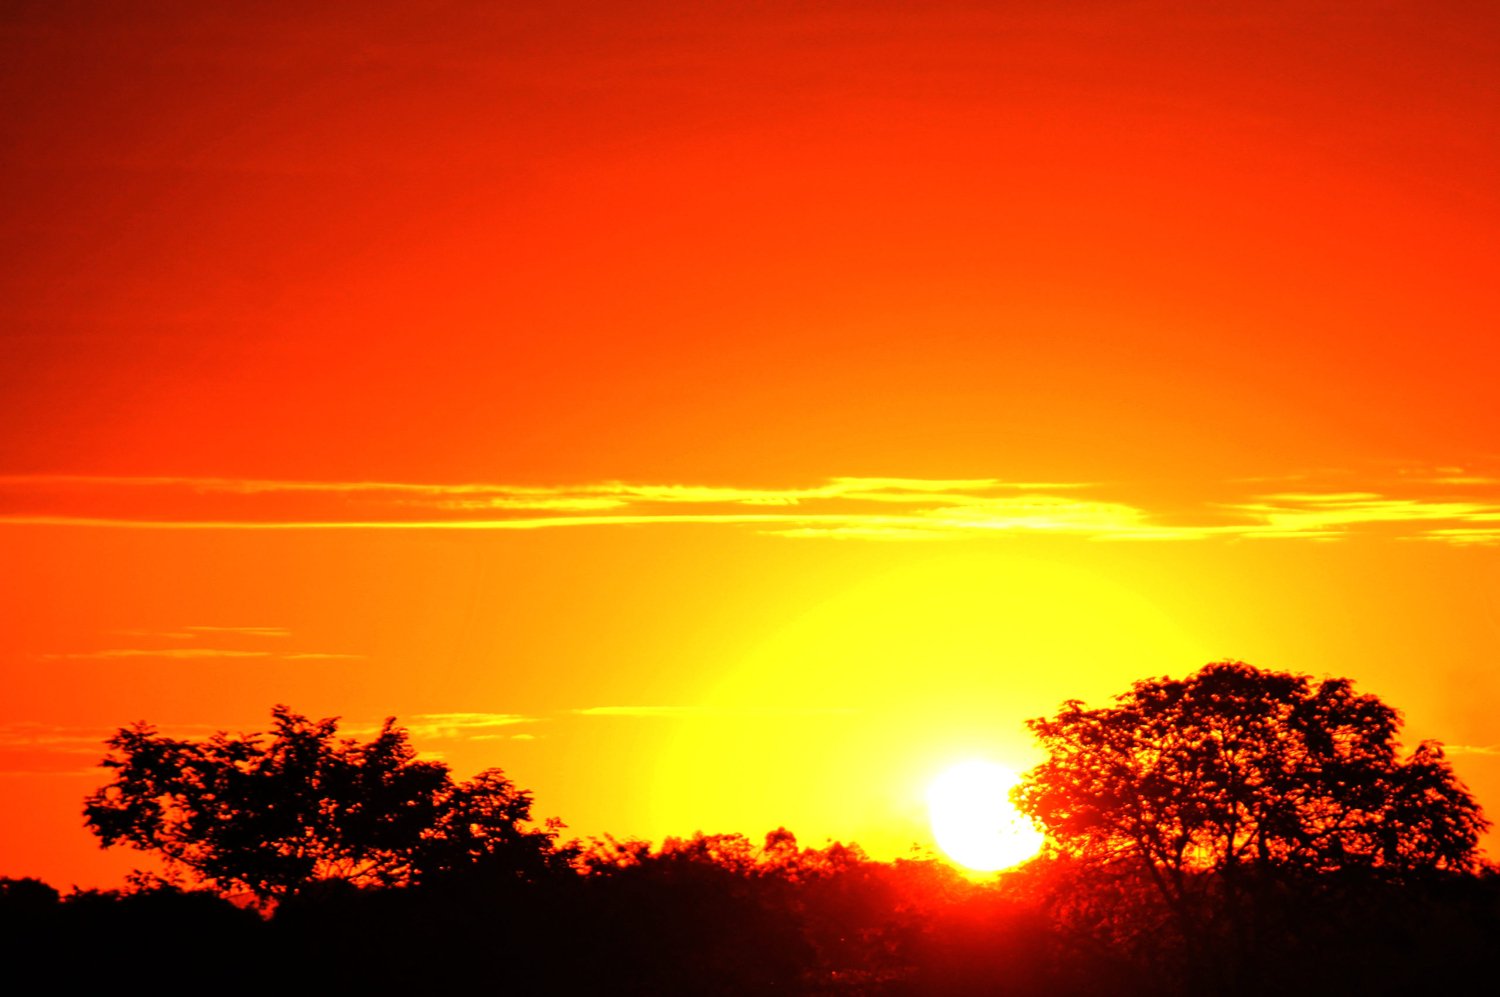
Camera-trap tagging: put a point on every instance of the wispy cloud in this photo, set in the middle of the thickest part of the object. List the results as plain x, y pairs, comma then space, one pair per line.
156, 634
242, 631
464, 726
1466, 536
710, 712
77, 773
1452, 505
260, 644
36, 748
195, 654
883, 507
24, 744
1472, 749
164, 653
1451, 519
27, 734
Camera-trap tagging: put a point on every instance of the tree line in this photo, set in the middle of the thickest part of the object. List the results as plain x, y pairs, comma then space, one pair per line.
1237, 831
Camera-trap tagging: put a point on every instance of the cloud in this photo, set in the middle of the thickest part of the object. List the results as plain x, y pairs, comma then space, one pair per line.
156, 634
875, 507
165, 653
31, 742
196, 654
1472, 749
464, 726
1451, 505
183, 646
34, 740
1470, 537
53, 737
710, 712
92, 773
243, 631
1441, 518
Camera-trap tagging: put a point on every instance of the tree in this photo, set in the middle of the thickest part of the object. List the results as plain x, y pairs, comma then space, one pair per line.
482, 825
1235, 775
272, 816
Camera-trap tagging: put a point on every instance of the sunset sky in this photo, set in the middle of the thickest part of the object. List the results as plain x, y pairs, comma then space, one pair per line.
726, 416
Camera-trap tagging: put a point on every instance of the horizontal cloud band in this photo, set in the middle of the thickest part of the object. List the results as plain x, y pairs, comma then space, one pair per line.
1449, 508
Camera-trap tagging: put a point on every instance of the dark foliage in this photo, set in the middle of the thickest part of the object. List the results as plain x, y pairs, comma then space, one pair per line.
141, 940
1236, 766
903, 929
274, 816
1205, 812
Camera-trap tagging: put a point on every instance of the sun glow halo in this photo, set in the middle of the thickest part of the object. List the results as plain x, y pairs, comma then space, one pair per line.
973, 820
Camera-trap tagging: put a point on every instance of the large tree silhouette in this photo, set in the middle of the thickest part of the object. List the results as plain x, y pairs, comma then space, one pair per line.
1236, 765
272, 815
1208, 788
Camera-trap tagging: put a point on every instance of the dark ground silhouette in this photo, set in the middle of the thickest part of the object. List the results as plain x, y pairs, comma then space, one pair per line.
677, 923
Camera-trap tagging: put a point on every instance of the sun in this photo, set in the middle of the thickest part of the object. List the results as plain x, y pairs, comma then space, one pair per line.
973, 820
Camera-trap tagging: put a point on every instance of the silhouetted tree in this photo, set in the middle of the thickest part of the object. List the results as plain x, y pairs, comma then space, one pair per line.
483, 826
271, 816
1217, 787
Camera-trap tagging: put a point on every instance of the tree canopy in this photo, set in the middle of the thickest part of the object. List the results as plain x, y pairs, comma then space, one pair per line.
1235, 766
1202, 823
270, 815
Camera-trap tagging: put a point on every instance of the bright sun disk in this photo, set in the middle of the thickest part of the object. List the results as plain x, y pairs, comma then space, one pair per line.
973, 820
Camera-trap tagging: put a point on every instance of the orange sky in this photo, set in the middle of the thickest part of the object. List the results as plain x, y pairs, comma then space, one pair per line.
726, 415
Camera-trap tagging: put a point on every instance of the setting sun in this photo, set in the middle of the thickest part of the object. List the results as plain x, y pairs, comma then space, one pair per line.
974, 821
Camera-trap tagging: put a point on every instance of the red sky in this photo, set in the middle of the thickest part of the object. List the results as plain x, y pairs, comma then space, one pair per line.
820, 390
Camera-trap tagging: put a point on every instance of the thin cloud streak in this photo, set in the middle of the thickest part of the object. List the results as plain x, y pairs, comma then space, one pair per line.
667, 493
1442, 519
195, 654
156, 634
428, 727
1448, 505
57, 738
1490, 750
36, 739
710, 712
48, 773
172, 653
458, 726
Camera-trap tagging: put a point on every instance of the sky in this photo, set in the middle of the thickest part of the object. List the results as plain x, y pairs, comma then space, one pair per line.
726, 416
